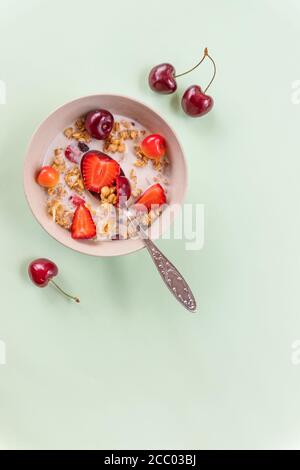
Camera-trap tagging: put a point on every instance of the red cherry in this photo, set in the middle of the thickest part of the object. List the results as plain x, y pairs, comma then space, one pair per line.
123, 190
42, 271
48, 177
195, 103
99, 123
154, 146
162, 79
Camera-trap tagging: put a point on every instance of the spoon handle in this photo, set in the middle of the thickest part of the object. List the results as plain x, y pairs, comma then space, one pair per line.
171, 276
174, 281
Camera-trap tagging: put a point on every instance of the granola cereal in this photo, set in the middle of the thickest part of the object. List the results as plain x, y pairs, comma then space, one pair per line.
122, 144
59, 213
58, 162
74, 179
79, 133
58, 191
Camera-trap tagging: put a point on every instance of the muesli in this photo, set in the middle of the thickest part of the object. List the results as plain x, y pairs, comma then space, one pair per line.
98, 167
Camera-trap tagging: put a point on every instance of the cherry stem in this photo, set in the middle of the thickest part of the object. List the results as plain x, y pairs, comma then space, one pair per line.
76, 299
215, 70
205, 54
195, 66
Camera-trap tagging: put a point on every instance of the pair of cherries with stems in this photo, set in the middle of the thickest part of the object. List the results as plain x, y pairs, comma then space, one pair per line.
194, 102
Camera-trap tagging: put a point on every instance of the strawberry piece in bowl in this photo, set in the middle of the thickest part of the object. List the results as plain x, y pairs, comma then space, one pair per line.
83, 226
98, 170
153, 196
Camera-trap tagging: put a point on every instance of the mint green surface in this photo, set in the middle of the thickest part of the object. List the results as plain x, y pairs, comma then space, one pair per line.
128, 367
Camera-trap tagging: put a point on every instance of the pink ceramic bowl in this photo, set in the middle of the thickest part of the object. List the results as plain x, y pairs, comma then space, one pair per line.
57, 121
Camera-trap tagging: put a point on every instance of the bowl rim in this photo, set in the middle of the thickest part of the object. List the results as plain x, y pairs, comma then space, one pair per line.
80, 248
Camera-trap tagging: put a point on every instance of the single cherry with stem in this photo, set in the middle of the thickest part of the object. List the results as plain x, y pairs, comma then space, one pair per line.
196, 102
42, 271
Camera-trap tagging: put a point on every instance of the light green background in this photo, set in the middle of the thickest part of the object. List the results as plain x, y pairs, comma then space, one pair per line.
128, 367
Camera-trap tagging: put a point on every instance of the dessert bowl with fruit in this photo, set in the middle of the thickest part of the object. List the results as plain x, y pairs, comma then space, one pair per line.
95, 160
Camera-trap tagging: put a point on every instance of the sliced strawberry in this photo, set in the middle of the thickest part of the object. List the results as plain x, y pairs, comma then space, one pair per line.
98, 170
76, 200
83, 226
155, 195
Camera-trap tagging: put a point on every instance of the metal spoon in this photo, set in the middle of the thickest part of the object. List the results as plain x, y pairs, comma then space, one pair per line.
174, 281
